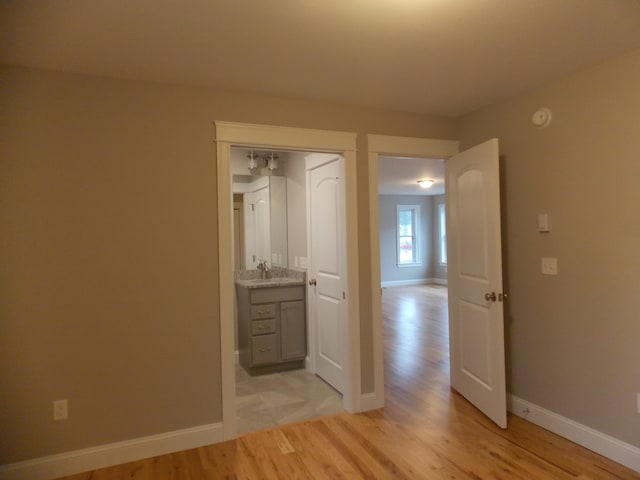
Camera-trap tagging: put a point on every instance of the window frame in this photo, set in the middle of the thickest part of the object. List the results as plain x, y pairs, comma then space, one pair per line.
442, 234
417, 260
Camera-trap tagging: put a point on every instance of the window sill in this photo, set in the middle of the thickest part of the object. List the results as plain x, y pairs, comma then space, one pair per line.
403, 265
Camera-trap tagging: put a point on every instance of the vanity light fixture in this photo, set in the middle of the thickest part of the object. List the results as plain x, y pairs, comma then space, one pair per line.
253, 161
272, 161
426, 183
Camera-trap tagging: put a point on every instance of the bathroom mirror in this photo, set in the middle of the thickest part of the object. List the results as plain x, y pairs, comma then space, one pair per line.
260, 220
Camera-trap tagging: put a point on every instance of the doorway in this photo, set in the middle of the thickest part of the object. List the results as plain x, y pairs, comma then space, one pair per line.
273, 188
474, 259
267, 137
405, 147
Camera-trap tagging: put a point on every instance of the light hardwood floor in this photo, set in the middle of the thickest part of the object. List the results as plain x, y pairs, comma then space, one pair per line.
425, 431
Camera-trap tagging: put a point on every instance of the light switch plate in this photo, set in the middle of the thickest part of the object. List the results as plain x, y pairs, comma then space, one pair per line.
543, 222
549, 266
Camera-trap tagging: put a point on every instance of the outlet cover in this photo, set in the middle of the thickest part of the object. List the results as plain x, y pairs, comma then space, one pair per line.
60, 410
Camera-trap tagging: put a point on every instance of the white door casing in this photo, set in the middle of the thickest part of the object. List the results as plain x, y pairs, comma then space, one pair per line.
476, 323
274, 137
327, 269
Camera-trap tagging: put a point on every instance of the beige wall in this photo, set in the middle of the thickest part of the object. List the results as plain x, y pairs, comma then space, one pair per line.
108, 287
573, 340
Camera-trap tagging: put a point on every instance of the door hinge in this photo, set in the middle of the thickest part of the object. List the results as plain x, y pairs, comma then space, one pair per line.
253, 207
343, 296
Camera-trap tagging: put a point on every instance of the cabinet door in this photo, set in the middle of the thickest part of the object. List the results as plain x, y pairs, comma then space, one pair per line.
263, 349
293, 330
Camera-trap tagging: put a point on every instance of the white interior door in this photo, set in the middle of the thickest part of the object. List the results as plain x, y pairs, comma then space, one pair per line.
476, 327
327, 270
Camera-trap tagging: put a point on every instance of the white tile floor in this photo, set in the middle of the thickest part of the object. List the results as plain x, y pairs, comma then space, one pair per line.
279, 398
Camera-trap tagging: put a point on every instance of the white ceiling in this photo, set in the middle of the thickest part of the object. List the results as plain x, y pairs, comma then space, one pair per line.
400, 175
445, 57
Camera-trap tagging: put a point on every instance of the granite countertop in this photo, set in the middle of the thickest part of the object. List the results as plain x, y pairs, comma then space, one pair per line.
277, 277
270, 282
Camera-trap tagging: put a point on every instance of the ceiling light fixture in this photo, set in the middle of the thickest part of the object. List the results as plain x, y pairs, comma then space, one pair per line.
426, 183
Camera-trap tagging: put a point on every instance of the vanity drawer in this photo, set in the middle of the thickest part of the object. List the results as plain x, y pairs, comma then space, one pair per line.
263, 311
260, 327
277, 294
264, 349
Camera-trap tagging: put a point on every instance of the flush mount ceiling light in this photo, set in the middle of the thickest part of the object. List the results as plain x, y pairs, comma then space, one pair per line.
426, 183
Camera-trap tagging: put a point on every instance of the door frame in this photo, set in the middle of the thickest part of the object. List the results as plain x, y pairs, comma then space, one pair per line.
402, 147
228, 134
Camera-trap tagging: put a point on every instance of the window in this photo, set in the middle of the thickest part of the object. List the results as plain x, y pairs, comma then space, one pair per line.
442, 223
408, 235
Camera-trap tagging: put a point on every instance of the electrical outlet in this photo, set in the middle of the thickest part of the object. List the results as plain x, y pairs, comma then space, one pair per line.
60, 410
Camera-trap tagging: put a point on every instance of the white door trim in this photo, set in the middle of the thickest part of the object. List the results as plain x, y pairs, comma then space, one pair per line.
344, 143
400, 146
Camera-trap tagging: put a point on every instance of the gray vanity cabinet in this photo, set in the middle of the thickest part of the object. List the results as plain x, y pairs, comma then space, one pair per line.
293, 331
272, 332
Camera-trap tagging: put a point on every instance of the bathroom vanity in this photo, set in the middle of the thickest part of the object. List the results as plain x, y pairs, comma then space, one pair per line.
272, 330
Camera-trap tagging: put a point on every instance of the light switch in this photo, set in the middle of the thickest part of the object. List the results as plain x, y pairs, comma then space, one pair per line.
549, 266
543, 222
303, 262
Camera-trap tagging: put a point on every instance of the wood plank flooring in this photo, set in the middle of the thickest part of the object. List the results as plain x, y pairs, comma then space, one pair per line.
426, 430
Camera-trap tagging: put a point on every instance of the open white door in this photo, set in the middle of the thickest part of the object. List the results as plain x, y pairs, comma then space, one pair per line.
476, 324
327, 269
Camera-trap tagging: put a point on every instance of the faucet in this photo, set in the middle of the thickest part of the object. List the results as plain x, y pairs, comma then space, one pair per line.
264, 268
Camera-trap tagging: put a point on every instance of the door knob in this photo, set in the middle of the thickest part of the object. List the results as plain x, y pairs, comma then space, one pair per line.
490, 297
312, 281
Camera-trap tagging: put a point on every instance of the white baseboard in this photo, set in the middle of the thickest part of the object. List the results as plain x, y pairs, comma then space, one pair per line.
610, 447
417, 281
370, 401
78, 461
